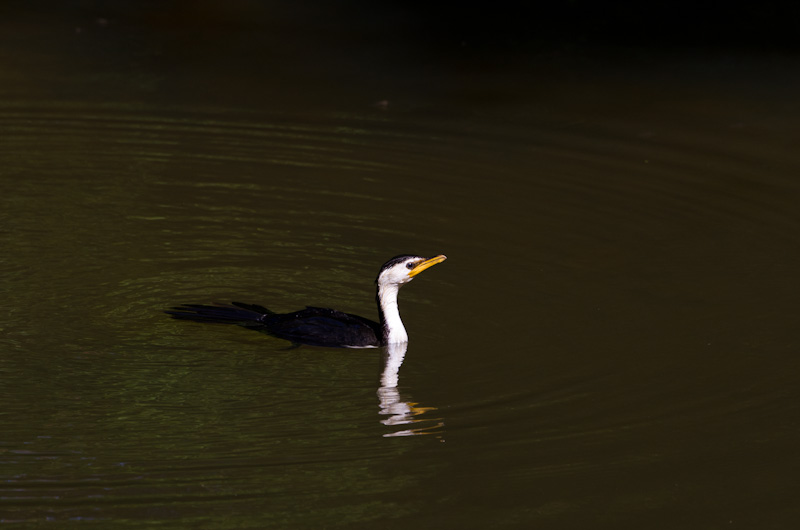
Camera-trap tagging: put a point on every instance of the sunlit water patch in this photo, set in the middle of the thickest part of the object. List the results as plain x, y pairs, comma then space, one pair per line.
617, 307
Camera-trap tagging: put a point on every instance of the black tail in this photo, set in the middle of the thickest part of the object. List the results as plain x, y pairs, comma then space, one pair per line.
237, 313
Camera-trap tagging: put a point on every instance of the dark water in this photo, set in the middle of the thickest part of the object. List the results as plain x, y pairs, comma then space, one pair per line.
612, 342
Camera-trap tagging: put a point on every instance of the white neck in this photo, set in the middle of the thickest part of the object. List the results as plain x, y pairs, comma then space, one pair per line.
394, 330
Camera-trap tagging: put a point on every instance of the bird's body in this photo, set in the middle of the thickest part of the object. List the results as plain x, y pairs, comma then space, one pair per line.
317, 326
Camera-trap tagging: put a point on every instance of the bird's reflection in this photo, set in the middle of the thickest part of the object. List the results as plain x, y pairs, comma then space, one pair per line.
393, 409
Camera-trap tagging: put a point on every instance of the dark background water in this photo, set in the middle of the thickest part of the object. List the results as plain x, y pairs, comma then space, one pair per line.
611, 343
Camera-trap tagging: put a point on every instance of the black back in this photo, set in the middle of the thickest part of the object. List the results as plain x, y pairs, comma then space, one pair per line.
318, 326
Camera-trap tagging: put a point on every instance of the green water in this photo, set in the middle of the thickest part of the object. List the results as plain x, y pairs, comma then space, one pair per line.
612, 342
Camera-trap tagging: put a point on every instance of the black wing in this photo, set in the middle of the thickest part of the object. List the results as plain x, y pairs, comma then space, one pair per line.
317, 326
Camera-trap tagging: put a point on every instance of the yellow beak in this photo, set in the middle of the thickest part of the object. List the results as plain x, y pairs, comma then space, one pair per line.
428, 263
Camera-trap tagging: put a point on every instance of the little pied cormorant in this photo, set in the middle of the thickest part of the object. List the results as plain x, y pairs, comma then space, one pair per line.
317, 326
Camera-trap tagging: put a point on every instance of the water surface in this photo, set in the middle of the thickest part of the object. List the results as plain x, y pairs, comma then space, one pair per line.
611, 343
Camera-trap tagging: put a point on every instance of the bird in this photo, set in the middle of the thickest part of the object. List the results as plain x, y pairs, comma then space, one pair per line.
318, 326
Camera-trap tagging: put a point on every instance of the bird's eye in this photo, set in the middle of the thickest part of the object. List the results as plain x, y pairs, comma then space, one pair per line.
410, 265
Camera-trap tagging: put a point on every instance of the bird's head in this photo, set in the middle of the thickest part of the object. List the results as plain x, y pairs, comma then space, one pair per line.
402, 269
